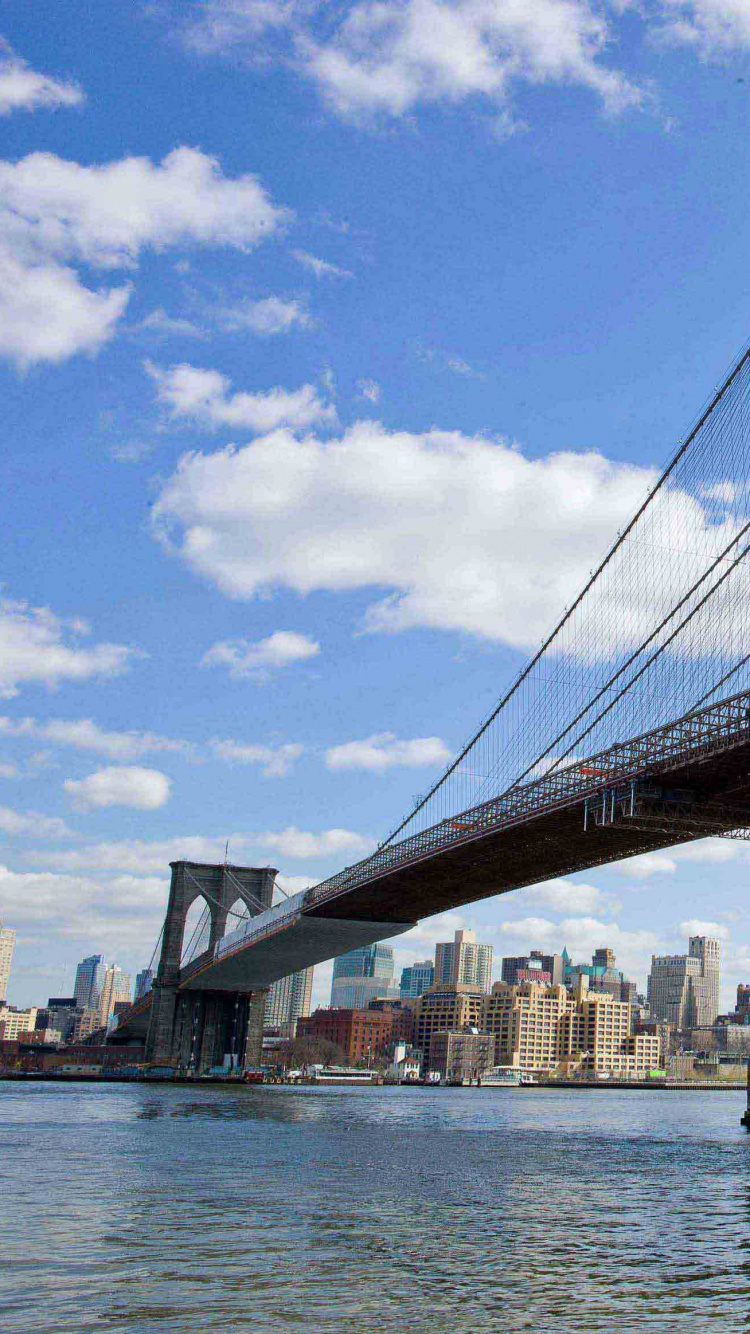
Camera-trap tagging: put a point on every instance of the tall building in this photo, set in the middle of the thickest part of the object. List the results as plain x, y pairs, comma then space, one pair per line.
683, 989
417, 979
361, 975
7, 942
143, 982
116, 987
462, 962
289, 999
89, 981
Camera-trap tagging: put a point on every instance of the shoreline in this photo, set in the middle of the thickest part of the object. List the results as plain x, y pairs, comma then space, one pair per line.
580, 1086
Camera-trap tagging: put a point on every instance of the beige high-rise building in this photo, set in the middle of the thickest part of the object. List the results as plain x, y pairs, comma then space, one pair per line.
7, 943
442, 1010
463, 962
116, 988
683, 989
547, 1029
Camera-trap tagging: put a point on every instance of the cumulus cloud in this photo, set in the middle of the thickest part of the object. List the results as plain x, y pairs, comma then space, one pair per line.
56, 215
292, 842
120, 785
202, 397
320, 267
24, 89
389, 57
123, 913
696, 927
262, 658
85, 734
276, 761
47, 314
38, 646
564, 896
144, 856
385, 751
270, 316
645, 865
583, 935
431, 518
32, 824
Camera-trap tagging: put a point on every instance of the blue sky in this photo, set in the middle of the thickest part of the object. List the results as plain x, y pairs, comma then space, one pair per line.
270, 274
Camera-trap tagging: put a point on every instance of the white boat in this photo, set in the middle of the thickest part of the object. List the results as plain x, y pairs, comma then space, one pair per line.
501, 1076
340, 1074
505, 1076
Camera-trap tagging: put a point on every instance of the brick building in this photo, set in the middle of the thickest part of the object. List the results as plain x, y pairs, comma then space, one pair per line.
362, 1035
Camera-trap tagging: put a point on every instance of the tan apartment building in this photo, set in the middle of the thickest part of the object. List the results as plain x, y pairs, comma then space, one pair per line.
13, 1022
443, 1010
548, 1029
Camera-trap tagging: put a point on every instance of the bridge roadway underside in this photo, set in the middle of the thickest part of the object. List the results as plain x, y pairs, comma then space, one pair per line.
550, 844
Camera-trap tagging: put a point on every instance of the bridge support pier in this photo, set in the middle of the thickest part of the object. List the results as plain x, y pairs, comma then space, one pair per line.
746, 1118
196, 1029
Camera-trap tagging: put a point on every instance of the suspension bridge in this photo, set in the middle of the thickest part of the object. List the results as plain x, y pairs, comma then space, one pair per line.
626, 732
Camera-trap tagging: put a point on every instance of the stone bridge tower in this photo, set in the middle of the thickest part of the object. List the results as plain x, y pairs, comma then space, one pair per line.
188, 1028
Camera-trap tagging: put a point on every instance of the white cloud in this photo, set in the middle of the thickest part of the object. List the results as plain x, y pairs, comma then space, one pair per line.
714, 28
120, 785
9, 771
564, 896
716, 850
32, 824
583, 935
276, 761
23, 89
695, 927
388, 57
56, 214
85, 734
320, 267
369, 389
47, 314
202, 397
267, 317
260, 659
122, 913
431, 518
292, 842
645, 865
384, 751
38, 646
144, 856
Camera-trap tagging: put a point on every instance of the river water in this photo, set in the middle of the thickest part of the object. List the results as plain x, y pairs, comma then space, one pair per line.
156, 1208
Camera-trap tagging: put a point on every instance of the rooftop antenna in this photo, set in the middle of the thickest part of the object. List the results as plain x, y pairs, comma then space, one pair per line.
226, 852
